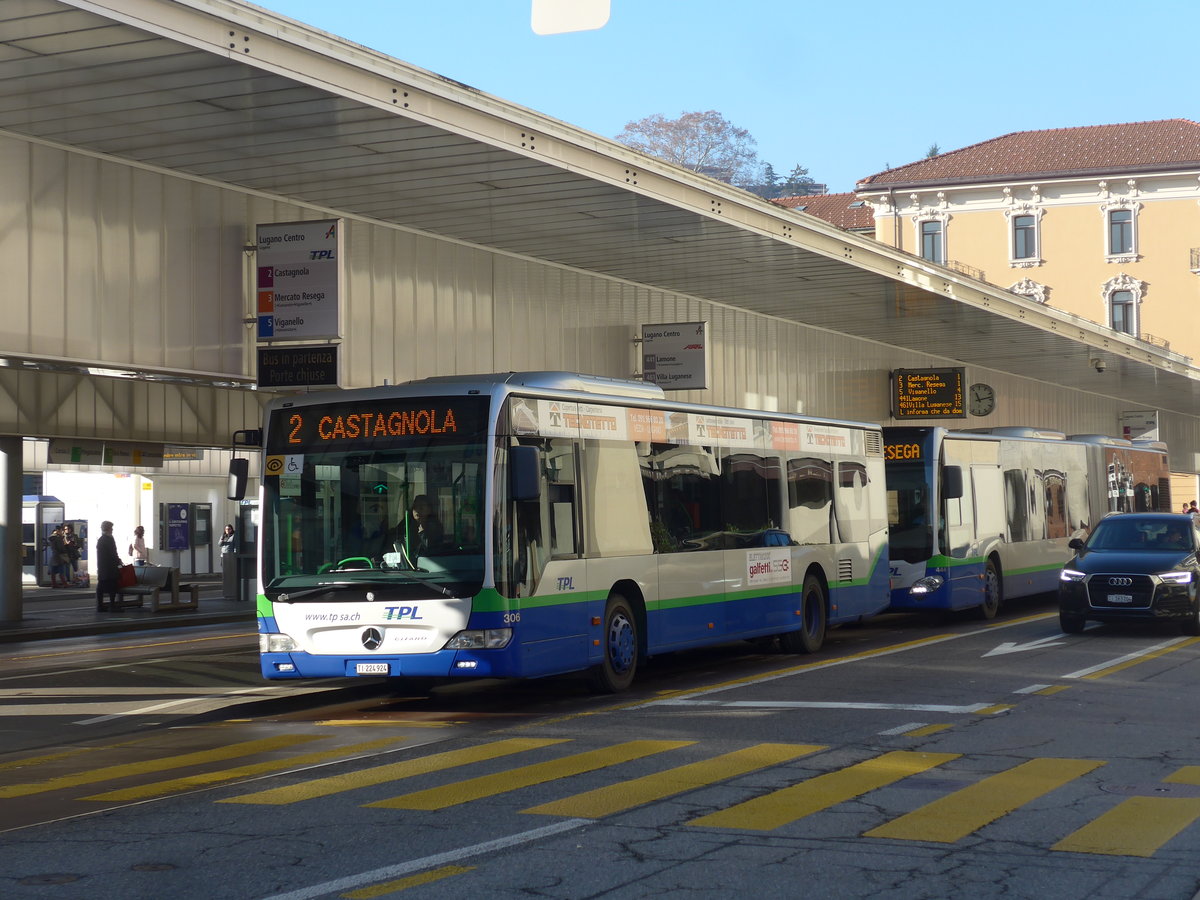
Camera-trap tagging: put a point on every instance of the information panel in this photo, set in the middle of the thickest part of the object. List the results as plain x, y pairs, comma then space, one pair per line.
929, 394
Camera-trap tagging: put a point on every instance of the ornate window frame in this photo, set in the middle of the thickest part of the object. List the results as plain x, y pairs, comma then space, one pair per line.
1031, 289
932, 214
1137, 290
1106, 209
1024, 209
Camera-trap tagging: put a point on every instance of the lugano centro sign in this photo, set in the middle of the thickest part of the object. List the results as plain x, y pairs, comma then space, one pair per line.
298, 276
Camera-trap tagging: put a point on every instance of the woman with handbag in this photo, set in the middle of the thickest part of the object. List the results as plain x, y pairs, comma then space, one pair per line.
108, 567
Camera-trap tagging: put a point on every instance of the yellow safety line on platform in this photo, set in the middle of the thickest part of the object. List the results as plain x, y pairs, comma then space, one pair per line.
176, 785
323, 787
957, 815
108, 773
526, 776
120, 647
627, 794
791, 803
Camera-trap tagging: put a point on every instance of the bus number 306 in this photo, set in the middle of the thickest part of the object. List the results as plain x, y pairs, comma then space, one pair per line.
512, 618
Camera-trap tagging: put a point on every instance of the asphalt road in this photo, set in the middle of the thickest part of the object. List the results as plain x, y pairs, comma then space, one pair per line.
905, 760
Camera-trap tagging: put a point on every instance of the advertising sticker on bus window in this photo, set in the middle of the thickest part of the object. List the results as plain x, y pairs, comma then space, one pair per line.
768, 567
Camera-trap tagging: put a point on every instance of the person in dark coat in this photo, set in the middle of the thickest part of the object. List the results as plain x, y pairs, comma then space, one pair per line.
108, 566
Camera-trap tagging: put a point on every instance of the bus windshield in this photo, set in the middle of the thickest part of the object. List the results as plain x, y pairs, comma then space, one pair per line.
910, 537
350, 500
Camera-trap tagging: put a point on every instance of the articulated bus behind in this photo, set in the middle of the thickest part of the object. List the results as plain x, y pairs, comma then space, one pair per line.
585, 524
975, 517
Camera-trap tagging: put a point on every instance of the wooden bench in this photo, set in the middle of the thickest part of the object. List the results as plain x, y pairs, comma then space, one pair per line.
154, 582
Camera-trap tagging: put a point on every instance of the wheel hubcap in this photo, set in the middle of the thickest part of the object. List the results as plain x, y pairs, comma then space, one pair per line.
620, 643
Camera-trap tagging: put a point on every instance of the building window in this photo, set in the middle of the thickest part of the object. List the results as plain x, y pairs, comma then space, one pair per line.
1120, 232
1121, 312
931, 242
1024, 237
1123, 297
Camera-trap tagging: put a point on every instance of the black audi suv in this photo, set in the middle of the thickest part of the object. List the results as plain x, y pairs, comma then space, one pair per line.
1133, 567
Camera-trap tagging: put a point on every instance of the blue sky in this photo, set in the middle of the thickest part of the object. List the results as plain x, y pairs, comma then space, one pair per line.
845, 89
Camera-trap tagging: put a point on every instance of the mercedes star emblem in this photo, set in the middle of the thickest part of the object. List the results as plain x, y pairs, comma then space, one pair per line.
372, 638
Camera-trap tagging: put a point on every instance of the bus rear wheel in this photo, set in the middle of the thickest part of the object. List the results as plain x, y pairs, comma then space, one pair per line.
810, 637
620, 640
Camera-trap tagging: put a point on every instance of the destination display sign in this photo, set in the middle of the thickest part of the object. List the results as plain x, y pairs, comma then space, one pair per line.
375, 424
929, 393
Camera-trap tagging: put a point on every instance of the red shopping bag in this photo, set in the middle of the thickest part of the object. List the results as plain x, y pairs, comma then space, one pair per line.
127, 577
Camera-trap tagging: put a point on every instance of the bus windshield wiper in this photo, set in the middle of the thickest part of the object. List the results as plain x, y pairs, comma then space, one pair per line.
286, 597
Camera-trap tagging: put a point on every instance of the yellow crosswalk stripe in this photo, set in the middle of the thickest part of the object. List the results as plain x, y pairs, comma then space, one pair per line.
109, 773
322, 787
1134, 827
175, 785
627, 794
526, 776
954, 817
791, 803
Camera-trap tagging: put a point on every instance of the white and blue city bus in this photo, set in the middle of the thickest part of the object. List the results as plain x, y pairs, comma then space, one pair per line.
975, 517
585, 523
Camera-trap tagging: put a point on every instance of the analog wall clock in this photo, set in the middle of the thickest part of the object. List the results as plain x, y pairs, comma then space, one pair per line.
981, 399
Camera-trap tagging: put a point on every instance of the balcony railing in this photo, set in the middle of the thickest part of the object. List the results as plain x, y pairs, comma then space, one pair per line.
969, 271
1156, 341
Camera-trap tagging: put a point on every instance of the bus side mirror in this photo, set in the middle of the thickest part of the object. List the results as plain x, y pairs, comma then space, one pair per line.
524, 473
239, 471
952, 482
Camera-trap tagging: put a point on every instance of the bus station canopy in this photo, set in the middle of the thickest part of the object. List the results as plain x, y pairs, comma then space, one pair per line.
223, 91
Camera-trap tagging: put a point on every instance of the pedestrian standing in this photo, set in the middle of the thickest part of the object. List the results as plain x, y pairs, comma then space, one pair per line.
108, 567
137, 547
71, 540
59, 561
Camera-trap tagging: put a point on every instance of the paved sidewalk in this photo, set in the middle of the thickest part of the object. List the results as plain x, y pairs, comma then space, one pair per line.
71, 612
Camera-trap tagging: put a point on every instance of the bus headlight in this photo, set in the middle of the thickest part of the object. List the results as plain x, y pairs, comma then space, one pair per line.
1071, 575
276, 643
927, 585
488, 639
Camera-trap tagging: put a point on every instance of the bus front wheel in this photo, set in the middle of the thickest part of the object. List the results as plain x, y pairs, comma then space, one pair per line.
620, 641
810, 637
993, 591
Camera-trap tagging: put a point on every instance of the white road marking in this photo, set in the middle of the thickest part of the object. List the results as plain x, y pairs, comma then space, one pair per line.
820, 704
388, 873
1128, 656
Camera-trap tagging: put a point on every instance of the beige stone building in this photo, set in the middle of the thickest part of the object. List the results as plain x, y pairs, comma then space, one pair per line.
1101, 221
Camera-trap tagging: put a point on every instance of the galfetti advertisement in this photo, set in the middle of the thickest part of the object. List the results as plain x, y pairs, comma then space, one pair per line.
298, 280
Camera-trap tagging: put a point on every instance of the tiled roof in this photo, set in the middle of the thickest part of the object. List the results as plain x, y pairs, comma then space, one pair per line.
1167, 144
843, 210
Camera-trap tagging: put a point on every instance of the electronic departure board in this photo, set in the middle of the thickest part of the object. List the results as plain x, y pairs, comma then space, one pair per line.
929, 394
356, 424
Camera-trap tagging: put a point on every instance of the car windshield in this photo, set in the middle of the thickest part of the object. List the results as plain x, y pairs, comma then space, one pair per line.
1152, 535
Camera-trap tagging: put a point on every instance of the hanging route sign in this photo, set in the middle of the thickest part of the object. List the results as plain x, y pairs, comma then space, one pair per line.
298, 276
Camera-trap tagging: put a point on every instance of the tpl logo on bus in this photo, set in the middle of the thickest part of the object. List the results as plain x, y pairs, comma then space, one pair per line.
393, 613
321, 254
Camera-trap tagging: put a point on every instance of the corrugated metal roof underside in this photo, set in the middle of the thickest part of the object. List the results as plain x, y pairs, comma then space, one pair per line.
85, 80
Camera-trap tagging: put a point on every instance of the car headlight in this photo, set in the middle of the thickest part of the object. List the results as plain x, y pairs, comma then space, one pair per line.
276, 643
1176, 577
487, 639
927, 585
1071, 575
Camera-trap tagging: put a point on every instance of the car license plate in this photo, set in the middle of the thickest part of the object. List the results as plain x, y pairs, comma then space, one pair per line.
371, 669
1120, 598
